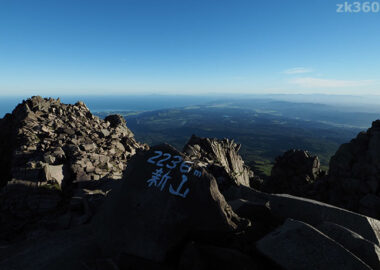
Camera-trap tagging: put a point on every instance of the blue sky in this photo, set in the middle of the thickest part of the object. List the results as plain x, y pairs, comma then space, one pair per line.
187, 47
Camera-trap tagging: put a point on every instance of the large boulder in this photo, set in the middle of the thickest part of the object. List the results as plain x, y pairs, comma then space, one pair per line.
162, 199
297, 245
362, 248
293, 173
310, 211
221, 158
314, 212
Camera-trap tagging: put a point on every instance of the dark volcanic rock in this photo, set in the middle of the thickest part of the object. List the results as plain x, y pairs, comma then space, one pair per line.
221, 159
293, 173
163, 198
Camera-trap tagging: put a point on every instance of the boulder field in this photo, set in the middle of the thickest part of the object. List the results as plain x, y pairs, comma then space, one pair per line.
79, 192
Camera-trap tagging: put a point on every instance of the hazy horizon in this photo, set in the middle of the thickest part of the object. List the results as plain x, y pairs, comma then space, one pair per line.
144, 102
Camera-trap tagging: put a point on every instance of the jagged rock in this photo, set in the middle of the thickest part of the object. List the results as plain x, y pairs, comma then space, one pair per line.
162, 199
297, 245
293, 173
354, 173
221, 159
365, 250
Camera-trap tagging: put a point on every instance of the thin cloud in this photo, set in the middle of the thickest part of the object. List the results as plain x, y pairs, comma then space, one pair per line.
329, 83
297, 70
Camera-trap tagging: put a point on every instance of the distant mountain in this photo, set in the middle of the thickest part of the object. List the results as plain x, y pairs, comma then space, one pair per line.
338, 115
265, 128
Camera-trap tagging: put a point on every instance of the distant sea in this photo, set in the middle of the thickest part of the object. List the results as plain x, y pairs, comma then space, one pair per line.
118, 103
156, 102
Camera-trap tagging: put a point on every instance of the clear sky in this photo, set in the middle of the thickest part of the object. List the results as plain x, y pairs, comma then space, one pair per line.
61, 47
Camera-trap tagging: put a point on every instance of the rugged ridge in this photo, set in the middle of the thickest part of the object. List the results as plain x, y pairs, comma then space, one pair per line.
354, 181
80, 193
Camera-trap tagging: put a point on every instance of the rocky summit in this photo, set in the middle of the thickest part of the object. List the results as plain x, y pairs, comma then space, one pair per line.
79, 192
53, 155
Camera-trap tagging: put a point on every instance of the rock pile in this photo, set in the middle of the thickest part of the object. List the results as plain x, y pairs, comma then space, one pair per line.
293, 173
53, 151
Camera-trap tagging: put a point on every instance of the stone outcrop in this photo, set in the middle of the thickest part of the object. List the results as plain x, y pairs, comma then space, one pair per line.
293, 173
354, 174
221, 158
